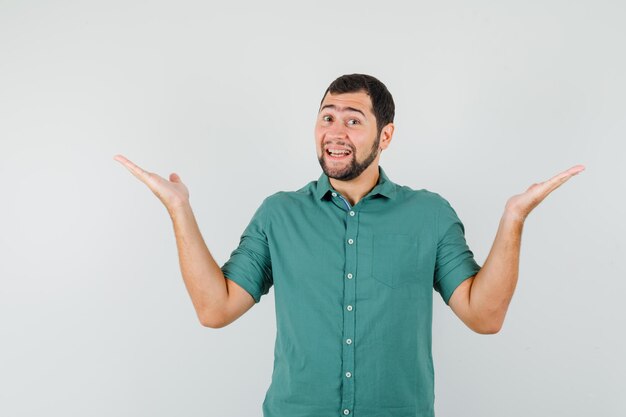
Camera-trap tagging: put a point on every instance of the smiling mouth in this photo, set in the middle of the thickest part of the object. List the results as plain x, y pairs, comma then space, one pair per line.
338, 154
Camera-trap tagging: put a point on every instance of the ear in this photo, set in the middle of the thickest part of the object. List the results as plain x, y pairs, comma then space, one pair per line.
385, 135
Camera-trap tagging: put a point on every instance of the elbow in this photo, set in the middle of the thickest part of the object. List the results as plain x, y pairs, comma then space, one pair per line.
488, 321
492, 326
487, 329
211, 325
212, 321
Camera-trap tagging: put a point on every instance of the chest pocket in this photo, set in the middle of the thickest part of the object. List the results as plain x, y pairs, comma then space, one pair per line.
394, 259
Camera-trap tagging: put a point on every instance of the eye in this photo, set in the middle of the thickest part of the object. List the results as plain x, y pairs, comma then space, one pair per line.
353, 120
326, 118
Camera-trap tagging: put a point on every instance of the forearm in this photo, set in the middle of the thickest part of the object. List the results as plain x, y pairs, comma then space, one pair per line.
203, 277
493, 286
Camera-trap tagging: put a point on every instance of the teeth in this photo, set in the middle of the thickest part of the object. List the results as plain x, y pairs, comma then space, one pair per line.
342, 152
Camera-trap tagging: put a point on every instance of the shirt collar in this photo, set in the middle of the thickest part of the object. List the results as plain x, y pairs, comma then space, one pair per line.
384, 187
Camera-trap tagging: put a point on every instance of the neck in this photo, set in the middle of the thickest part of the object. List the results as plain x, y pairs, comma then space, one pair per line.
355, 189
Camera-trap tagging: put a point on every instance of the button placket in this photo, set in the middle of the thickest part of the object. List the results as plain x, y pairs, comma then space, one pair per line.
349, 302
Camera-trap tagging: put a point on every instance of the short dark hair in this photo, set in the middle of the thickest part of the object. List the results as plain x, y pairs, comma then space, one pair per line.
383, 106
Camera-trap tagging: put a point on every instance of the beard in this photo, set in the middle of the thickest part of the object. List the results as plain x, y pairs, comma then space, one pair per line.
352, 168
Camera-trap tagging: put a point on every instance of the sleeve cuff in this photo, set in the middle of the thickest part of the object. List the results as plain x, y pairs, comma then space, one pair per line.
452, 280
243, 283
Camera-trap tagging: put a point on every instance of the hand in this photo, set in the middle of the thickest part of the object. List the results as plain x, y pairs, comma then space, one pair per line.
172, 193
519, 206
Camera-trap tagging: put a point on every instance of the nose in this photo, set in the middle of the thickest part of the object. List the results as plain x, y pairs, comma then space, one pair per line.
337, 131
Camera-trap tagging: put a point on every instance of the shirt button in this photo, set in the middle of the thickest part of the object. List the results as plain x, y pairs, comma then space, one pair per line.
349, 341
348, 374
349, 276
349, 308
334, 194
350, 241
346, 411
351, 213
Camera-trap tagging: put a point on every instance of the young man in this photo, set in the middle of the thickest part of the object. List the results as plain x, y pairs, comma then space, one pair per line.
353, 259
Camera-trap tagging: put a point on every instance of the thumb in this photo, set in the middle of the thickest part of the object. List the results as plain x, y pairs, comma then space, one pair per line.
174, 177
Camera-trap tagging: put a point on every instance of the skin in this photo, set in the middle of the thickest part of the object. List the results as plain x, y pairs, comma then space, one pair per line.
346, 128
217, 300
480, 301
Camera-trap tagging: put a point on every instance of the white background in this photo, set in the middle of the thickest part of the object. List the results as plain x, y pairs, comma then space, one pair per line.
491, 96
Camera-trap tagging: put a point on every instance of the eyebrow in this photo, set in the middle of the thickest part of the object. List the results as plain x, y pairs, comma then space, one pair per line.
332, 106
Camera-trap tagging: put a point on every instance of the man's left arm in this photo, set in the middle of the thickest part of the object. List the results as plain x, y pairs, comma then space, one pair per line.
481, 301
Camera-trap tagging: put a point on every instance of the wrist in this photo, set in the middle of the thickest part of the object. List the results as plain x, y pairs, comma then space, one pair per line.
513, 216
179, 209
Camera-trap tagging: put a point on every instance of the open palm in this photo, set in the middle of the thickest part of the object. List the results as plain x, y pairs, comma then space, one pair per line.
172, 192
521, 205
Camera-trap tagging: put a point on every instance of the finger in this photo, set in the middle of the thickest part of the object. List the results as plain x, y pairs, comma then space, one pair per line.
137, 171
559, 179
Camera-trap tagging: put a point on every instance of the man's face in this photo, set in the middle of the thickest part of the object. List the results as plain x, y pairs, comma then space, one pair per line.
346, 125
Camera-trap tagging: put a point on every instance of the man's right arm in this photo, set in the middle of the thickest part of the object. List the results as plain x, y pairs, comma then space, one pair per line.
218, 301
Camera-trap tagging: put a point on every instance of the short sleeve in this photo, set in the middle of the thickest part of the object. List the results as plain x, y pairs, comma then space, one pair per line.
455, 261
250, 264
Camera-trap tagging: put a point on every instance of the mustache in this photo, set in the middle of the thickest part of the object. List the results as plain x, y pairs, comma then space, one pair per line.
344, 145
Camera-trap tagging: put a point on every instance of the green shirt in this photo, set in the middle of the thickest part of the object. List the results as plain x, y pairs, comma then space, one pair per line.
353, 290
